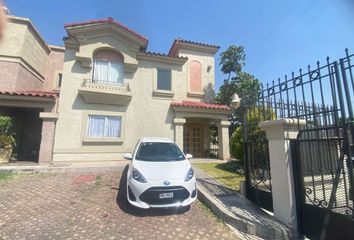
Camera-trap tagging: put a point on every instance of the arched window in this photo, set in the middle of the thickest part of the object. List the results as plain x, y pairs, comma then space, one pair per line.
195, 76
108, 67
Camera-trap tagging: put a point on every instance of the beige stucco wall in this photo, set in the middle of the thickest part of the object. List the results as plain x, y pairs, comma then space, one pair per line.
26, 62
145, 115
54, 67
22, 41
208, 76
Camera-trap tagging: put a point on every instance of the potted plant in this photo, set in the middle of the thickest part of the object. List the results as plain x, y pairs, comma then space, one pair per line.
7, 140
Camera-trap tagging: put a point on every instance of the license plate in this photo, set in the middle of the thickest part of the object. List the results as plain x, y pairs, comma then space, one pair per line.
166, 195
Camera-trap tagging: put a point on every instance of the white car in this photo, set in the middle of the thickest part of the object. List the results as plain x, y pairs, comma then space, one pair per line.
160, 175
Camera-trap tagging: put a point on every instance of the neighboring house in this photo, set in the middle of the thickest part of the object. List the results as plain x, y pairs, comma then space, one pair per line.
30, 75
114, 92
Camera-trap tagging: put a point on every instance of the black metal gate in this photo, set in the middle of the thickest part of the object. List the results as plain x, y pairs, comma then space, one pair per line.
258, 176
321, 99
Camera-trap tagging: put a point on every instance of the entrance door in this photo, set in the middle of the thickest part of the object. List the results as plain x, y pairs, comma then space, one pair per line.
193, 140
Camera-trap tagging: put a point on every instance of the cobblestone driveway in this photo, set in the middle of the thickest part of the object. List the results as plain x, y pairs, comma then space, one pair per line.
93, 206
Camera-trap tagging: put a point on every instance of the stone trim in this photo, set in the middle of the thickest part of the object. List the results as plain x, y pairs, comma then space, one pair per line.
284, 128
179, 121
163, 93
195, 94
48, 116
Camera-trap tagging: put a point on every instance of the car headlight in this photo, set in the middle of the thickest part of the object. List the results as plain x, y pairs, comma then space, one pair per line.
138, 176
189, 175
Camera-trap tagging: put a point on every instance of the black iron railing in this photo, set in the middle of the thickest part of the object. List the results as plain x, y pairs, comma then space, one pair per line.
323, 97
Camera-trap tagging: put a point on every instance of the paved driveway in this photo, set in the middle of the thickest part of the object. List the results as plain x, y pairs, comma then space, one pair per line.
93, 206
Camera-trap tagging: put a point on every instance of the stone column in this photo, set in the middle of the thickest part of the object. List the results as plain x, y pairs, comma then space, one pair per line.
279, 132
179, 122
47, 139
223, 139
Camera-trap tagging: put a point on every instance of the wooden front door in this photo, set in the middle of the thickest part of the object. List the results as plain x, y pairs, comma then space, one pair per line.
193, 140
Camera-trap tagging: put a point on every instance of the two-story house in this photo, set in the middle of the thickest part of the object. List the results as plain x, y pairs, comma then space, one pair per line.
113, 92
30, 76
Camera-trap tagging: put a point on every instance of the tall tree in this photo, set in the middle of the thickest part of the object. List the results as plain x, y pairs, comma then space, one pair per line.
232, 60
242, 83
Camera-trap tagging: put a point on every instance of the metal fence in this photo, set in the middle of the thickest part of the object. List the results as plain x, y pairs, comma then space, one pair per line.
320, 98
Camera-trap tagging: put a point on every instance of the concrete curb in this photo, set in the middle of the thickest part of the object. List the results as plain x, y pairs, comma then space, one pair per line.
237, 222
61, 169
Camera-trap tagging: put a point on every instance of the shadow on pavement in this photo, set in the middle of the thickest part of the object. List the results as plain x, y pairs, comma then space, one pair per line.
124, 205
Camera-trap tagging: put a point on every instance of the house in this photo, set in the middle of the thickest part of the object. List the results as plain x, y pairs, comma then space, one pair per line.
112, 92
29, 81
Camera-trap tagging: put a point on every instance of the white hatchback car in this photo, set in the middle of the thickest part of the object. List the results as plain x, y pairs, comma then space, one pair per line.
160, 175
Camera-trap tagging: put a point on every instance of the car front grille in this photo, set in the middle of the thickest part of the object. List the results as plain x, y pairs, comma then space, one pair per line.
151, 195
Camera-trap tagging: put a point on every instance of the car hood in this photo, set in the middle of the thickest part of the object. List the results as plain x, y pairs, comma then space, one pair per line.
174, 170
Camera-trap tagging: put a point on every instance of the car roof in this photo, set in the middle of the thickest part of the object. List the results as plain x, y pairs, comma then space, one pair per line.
156, 139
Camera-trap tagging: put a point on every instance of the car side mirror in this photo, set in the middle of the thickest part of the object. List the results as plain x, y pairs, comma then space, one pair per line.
128, 156
189, 156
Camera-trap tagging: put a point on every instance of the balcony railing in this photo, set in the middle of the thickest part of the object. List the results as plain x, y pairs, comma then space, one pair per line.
92, 83
105, 92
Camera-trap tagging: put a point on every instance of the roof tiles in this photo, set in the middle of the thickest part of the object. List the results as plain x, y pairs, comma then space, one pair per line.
190, 104
30, 93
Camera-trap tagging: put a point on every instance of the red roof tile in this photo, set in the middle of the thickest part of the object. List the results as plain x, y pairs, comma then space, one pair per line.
190, 104
179, 40
108, 20
30, 93
163, 55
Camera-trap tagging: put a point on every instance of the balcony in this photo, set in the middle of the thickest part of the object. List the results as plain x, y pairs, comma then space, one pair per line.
93, 91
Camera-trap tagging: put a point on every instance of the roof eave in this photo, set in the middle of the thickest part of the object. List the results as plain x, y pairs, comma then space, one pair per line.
201, 110
192, 46
161, 58
76, 28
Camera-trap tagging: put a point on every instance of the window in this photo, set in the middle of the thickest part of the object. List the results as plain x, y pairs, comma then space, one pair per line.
108, 68
60, 79
104, 126
159, 152
164, 81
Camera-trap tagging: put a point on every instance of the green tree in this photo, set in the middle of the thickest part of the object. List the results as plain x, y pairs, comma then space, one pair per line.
254, 116
232, 60
245, 85
242, 83
236, 143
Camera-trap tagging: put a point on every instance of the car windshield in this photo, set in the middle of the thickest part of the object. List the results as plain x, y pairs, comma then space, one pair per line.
159, 152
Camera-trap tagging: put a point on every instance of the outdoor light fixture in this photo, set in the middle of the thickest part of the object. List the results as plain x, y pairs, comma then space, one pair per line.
236, 101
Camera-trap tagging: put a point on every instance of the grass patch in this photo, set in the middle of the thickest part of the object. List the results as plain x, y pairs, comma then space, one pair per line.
7, 175
208, 211
227, 173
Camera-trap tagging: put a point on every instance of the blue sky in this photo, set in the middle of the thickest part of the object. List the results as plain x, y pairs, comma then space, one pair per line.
279, 36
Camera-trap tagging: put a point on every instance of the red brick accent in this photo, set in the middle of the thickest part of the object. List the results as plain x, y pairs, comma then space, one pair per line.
54, 67
195, 76
89, 178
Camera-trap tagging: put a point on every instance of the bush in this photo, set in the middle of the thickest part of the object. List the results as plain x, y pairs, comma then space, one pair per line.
6, 125
6, 141
6, 132
236, 144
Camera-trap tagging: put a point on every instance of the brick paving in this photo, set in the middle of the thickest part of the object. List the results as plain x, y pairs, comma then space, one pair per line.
93, 206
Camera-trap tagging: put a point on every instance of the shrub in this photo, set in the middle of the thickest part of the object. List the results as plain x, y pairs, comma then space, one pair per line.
6, 125
7, 139
236, 144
